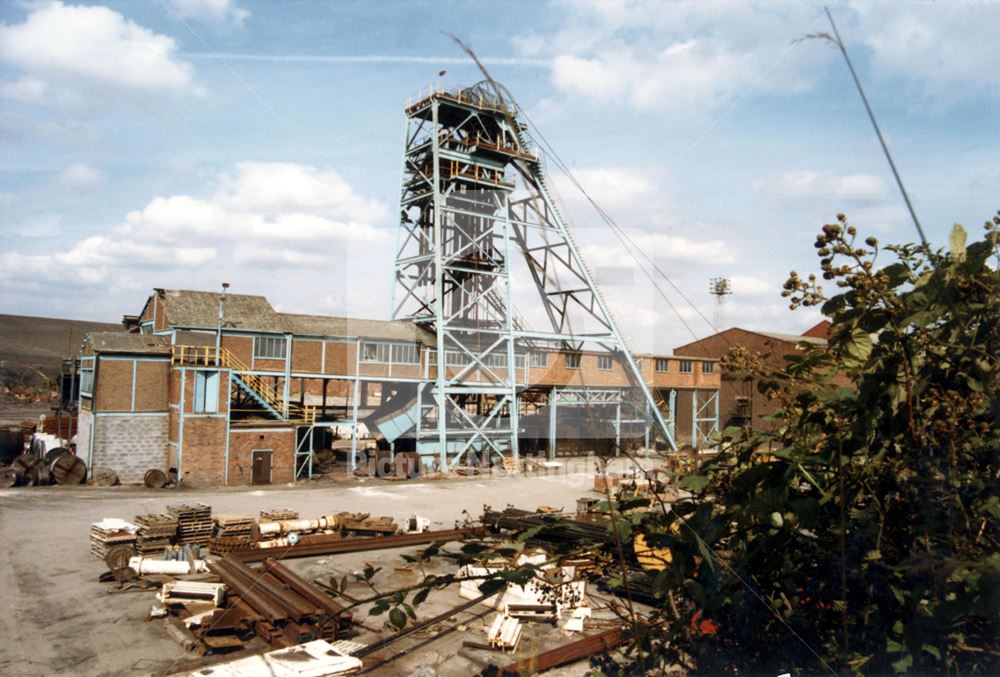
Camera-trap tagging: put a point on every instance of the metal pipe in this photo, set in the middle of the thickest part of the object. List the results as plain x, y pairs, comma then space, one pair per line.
147, 565
299, 525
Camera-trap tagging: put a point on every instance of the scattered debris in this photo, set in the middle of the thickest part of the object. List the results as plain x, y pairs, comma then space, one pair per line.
505, 633
317, 657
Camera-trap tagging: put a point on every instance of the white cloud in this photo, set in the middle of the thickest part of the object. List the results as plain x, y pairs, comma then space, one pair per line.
943, 48
686, 59
819, 185
615, 189
264, 216
81, 177
66, 47
266, 202
217, 11
28, 90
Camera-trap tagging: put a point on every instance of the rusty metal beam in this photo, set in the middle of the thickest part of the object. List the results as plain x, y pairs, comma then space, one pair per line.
336, 545
592, 645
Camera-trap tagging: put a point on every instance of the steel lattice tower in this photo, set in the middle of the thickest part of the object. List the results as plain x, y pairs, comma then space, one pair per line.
474, 195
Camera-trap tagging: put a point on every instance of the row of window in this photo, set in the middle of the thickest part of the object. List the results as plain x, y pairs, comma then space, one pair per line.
386, 353
684, 366
274, 347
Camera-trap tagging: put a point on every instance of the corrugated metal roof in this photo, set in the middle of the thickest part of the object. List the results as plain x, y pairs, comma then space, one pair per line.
124, 342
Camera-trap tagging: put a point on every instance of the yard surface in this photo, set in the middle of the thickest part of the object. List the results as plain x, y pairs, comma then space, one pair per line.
56, 618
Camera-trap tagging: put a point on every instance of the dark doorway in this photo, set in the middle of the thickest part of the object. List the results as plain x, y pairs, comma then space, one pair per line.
261, 460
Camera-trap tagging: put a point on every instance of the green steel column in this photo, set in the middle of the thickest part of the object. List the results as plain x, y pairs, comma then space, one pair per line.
441, 396
553, 397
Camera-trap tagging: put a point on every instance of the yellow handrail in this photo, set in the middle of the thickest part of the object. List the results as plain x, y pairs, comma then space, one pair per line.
206, 355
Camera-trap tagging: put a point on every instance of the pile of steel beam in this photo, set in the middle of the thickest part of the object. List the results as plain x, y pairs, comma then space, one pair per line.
282, 608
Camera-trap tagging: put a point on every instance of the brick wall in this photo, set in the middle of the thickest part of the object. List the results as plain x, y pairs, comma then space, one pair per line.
203, 450
151, 385
739, 399
307, 356
240, 346
113, 385
243, 442
340, 358
130, 445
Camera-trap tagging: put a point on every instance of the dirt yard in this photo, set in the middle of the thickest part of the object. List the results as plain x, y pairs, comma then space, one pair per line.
56, 618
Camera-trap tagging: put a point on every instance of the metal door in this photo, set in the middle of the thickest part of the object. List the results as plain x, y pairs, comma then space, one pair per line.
261, 466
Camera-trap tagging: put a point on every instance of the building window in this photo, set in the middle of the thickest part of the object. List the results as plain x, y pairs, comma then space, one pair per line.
389, 353
572, 360
686, 367
375, 352
404, 354
538, 359
604, 362
456, 358
206, 392
662, 364
86, 381
269, 347
708, 367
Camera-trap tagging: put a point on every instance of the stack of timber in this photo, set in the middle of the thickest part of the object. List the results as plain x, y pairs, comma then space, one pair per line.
278, 514
194, 523
156, 532
363, 524
231, 532
110, 532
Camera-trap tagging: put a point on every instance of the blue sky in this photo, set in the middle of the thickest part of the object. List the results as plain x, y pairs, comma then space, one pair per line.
182, 143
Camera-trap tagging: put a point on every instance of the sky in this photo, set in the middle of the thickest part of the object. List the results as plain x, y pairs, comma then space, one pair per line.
185, 143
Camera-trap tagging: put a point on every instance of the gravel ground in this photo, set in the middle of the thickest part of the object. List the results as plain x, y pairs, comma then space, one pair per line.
56, 618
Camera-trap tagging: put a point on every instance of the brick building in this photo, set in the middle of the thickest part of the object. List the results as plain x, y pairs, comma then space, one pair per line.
740, 403
224, 390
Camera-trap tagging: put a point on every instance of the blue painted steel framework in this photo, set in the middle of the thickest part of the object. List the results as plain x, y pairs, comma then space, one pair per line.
472, 191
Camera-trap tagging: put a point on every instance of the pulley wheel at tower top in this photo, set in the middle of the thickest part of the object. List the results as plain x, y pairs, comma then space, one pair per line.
69, 469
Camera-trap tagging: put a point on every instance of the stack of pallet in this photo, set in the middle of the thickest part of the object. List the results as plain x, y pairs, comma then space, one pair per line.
231, 532
278, 515
156, 532
194, 523
110, 532
363, 524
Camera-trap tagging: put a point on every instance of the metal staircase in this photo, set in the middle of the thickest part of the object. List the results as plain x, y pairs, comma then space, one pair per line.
259, 389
